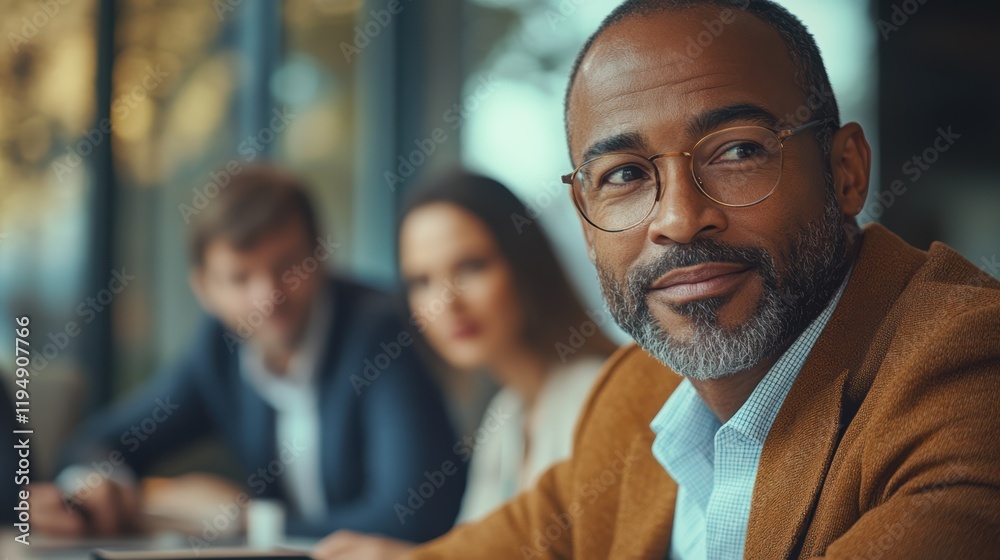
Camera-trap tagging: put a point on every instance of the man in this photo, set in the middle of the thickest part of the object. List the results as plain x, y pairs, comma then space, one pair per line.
839, 386
310, 380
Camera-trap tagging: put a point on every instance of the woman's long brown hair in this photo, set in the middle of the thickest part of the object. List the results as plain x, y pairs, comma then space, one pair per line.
551, 307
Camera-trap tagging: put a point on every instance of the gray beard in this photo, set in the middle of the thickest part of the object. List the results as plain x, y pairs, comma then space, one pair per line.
815, 265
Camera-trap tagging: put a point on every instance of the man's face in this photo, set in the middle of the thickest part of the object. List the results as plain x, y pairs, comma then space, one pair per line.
263, 291
749, 278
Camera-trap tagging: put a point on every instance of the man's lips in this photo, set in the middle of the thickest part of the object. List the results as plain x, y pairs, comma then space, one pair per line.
699, 282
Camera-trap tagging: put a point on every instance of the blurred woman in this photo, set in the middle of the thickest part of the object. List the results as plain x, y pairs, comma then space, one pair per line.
486, 291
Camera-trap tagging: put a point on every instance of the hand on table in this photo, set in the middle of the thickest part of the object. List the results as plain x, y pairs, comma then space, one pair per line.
104, 510
185, 502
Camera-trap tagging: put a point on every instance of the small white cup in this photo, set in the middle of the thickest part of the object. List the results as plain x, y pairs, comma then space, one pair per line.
265, 523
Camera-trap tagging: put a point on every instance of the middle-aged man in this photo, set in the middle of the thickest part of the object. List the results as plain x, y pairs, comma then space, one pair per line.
838, 388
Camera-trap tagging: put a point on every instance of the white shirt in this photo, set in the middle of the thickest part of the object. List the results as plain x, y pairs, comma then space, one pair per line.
499, 468
294, 397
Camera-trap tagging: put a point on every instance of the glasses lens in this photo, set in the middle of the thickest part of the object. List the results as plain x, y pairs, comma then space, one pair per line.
739, 165
615, 192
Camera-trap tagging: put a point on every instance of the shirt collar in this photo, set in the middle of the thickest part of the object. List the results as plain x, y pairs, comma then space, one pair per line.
304, 364
684, 445
754, 419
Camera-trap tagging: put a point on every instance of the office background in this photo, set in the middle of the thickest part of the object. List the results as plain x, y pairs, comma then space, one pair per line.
115, 113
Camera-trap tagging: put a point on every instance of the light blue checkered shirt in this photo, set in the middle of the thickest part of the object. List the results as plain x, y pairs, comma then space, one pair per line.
715, 465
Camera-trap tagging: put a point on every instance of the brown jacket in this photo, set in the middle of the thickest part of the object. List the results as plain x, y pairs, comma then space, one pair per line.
887, 446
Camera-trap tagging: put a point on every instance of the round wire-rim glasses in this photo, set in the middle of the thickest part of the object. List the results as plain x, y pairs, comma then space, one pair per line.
772, 138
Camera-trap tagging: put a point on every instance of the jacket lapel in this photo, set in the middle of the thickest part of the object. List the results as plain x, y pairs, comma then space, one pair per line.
646, 505
802, 441
256, 425
794, 462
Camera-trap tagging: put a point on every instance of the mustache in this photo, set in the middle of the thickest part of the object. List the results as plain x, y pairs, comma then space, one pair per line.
700, 252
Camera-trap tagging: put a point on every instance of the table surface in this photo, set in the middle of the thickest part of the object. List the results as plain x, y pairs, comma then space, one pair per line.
50, 548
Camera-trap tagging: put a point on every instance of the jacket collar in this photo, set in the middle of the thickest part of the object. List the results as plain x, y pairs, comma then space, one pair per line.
802, 441
806, 431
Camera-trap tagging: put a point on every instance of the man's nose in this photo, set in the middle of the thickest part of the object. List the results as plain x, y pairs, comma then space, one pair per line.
682, 212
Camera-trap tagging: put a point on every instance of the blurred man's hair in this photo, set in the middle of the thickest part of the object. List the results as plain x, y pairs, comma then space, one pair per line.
258, 201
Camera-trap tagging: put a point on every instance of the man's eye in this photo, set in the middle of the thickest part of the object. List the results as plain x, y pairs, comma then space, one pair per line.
624, 175
741, 151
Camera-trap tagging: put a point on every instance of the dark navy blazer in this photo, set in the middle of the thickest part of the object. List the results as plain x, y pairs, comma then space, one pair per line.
384, 432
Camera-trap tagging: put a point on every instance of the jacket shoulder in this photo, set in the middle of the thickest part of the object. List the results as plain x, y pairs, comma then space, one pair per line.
211, 345
936, 384
946, 296
962, 284
629, 391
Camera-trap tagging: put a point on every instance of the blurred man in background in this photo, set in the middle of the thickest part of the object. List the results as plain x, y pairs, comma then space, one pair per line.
309, 380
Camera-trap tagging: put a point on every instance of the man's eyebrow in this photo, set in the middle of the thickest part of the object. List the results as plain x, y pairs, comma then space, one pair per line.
698, 127
624, 142
707, 122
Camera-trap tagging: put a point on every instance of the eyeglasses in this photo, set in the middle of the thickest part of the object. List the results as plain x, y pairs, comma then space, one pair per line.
735, 167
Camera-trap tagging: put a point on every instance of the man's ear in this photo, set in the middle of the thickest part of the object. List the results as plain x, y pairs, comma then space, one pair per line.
196, 279
851, 162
